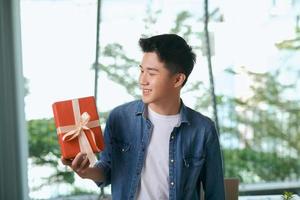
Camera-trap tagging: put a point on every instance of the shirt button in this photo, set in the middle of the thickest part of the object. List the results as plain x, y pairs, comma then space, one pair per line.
172, 183
172, 137
172, 161
123, 150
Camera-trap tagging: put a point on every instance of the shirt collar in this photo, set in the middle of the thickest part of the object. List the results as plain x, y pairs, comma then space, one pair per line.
142, 110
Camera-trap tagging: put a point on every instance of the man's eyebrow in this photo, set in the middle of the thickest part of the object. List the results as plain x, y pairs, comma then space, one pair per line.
150, 68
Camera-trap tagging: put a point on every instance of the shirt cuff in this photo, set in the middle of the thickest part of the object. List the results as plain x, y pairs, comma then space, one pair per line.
100, 165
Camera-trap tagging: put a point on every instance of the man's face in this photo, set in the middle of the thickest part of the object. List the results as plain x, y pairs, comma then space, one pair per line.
156, 82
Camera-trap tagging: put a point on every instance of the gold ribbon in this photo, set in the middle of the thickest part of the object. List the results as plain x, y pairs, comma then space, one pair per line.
82, 122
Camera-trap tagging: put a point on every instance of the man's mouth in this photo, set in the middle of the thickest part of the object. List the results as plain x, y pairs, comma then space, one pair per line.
146, 91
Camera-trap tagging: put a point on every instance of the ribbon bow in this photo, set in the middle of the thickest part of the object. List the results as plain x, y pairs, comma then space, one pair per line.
78, 129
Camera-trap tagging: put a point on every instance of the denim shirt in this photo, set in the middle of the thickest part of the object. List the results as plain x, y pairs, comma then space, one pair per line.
194, 154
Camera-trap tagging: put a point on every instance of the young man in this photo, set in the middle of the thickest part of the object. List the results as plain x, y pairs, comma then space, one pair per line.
158, 148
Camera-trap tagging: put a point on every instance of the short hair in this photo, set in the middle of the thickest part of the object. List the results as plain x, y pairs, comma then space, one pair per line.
173, 51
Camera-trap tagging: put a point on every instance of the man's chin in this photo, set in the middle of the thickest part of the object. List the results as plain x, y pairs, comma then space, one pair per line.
145, 100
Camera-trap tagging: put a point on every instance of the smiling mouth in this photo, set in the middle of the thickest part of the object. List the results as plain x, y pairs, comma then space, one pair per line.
146, 91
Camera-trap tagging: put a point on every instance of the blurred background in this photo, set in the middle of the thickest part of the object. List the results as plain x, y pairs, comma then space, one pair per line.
246, 78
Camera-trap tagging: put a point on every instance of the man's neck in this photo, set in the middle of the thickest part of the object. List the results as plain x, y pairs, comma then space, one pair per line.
167, 107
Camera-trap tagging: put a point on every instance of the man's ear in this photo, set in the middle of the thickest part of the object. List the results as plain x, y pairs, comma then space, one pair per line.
179, 79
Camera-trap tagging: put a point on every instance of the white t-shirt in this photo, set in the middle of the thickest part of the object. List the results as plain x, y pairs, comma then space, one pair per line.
154, 182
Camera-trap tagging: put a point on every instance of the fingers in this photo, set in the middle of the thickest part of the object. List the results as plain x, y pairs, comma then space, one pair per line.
85, 164
80, 162
67, 162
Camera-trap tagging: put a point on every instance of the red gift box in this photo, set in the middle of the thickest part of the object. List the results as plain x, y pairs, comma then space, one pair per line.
78, 128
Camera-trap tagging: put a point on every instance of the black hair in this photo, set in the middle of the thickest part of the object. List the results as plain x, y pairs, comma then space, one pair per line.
173, 51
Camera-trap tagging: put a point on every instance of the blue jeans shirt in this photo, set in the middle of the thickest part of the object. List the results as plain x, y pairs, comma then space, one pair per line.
194, 154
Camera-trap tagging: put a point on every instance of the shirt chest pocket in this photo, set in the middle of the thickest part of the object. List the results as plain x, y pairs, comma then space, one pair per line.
193, 161
120, 146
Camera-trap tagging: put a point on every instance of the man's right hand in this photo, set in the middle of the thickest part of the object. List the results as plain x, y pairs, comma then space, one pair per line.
80, 165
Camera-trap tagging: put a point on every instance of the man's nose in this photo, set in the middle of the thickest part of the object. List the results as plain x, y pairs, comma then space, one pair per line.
143, 79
